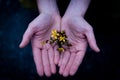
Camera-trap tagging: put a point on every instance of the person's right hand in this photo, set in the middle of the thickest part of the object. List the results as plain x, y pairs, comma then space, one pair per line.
39, 30
80, 34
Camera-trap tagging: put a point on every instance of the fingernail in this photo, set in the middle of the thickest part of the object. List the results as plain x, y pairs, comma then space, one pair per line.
71, 73
20, 46
98, 50
60, 72
65, 74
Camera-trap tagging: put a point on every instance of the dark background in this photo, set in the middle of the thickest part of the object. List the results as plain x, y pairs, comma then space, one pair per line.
18, 64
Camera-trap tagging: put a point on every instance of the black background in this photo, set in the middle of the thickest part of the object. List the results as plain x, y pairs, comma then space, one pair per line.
18, 64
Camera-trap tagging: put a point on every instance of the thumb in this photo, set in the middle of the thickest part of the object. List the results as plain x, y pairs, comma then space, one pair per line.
92, 42
26, 37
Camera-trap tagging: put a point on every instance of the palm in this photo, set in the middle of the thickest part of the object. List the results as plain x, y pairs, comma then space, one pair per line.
42, 30
76, 34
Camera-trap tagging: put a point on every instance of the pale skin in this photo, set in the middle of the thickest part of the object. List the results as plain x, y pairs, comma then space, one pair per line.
78, 30
39, 30
80, 34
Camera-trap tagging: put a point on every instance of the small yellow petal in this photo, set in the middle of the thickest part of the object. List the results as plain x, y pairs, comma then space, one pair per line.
61, 49
58, 34
62, 39
54, 31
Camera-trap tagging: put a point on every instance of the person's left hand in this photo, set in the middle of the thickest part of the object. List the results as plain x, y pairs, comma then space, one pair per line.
79, 33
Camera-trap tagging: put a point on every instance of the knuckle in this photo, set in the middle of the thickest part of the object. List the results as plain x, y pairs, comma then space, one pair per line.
30, 24
46, 65
90, 29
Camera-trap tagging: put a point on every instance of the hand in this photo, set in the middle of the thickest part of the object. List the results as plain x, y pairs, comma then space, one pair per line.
79, 33
39, 30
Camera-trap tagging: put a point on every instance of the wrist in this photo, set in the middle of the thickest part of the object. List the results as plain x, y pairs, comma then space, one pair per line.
49, 10
73, 13
77, 7
52, 17
69, 16
47, 6
52, 14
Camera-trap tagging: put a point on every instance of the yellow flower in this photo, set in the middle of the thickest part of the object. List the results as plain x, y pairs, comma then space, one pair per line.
54, 34
54, 31
62, 38
61, 49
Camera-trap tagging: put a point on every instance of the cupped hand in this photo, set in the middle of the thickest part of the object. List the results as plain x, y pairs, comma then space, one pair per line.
38, 31
80, 34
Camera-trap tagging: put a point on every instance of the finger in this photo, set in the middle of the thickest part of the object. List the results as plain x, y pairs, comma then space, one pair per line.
77, 61
51, 59
56, 58
46, 63
68, 66
38, 61
60, 60
64, 61
26, 37
92, 41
